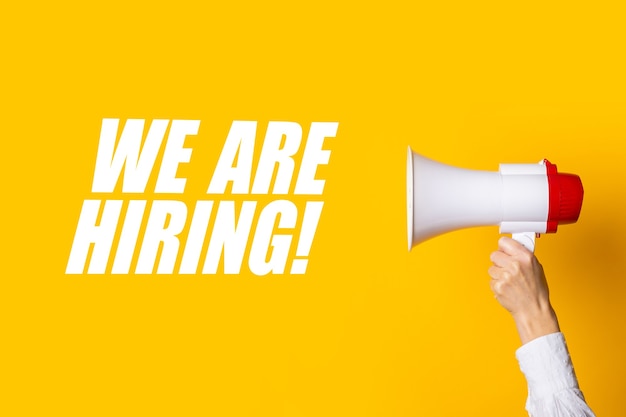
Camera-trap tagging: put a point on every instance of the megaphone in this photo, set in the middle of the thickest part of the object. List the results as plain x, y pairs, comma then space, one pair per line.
525, 200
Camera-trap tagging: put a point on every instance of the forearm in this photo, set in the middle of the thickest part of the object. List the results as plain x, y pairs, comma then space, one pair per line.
536, 321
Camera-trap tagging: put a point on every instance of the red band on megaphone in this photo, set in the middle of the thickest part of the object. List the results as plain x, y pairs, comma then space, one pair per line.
565, 197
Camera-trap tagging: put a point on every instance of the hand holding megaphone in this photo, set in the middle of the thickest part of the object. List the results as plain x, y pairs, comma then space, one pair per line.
523, 199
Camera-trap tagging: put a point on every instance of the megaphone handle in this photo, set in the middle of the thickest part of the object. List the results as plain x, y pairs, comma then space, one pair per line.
527, 239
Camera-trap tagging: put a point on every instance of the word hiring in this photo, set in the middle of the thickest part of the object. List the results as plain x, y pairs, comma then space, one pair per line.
99, 222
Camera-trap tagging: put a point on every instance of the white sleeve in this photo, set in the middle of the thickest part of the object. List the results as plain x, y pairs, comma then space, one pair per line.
552, 385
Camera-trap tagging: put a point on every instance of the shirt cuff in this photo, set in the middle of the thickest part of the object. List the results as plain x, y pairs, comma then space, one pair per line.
546, 364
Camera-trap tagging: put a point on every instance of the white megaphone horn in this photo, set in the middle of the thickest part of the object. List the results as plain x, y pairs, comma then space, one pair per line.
523, 199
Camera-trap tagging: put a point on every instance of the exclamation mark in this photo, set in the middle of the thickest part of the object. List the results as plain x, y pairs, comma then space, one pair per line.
310, 220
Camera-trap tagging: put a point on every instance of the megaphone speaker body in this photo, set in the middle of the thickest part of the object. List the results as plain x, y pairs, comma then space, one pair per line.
522, 199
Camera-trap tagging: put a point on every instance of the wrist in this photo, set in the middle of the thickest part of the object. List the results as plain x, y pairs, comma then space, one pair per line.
535, 323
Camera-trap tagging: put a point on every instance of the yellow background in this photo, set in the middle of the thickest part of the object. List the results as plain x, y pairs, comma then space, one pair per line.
371, 329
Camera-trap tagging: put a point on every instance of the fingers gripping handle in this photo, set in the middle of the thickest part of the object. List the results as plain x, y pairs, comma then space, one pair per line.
526, 239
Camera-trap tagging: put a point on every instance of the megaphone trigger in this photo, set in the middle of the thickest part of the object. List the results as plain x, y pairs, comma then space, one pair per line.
526, 239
